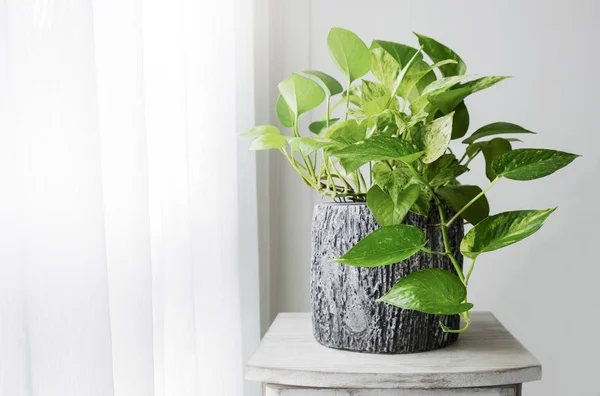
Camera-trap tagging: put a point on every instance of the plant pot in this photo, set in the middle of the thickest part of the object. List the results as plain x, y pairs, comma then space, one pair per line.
344, 311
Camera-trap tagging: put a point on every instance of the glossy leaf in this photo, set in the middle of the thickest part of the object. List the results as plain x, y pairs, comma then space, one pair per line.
432, 290
301, 94
434, 138
376, 148
438, 52
491, 150
349, 53
448, 100
496, 128
389, 210
285, 115
387, 245
318, 127
502, 230
330, 85
530, 164
458, 196
460, 122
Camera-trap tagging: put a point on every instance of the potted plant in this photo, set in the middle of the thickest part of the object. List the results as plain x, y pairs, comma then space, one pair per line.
387, 273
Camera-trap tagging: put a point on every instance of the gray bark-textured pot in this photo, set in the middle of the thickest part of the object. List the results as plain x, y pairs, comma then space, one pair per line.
344, 312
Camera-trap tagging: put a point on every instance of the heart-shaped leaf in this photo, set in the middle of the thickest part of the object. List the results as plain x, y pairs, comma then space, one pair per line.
376, 148
502, 230
330, 85
432, 290
349, 53
387, 245
301, 94
285, 115
491, 150
439, 52
434, 138
384, 67
530, 164
496, 128
459, 196
390, 181
318, 127
389, 210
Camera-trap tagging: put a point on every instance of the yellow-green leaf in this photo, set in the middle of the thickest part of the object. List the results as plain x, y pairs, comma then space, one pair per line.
349, 53
530, 164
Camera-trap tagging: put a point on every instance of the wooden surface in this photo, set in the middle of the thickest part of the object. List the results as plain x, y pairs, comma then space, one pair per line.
278, 390
345, 312
486, 355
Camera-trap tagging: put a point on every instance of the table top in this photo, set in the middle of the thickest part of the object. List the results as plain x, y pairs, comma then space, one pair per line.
486, 355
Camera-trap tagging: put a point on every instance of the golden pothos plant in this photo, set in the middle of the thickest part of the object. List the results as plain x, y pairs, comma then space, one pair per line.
395, 132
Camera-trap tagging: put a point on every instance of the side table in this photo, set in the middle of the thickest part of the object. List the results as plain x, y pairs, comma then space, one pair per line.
485, 361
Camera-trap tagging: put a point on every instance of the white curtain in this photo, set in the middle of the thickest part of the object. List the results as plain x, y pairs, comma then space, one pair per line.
128, 259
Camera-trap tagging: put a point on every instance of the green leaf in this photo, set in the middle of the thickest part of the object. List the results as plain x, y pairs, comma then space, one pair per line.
389, 210
376, 148
459, 196
308, 145
318, 127
261, 130
285, 115
496, 128
384, 67
448, 100
347, 132
390, 181
439, 52
423, 203
460, 123
330, 85
349, 53
491, 150
434, 138
419, 72
502, 230
373, 91
268, 142
432, 290
387, 245
444, 170
415, 79
301, 94
530, 164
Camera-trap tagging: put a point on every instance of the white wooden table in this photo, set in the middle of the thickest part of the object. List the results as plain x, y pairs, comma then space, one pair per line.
485, 361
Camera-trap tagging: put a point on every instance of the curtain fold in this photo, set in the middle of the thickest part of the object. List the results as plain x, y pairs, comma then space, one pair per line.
128, 261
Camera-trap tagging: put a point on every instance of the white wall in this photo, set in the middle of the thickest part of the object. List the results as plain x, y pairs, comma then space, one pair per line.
545, 290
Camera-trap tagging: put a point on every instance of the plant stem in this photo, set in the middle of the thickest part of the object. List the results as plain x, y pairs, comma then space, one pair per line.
470, 271
347, 100
466, 317
471, 202
433, 251
328, 110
